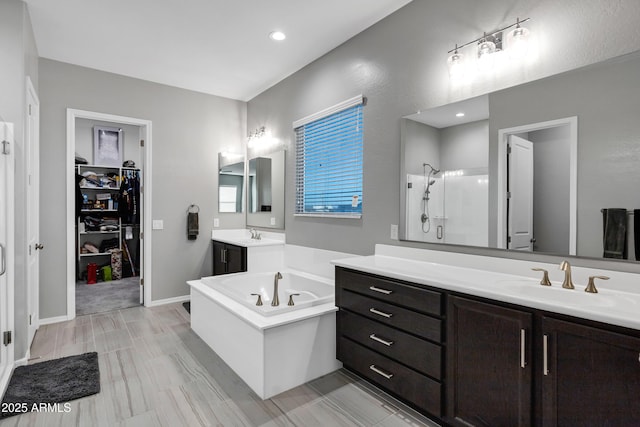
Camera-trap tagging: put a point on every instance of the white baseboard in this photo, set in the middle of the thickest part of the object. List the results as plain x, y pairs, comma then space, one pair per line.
24, 361
166, 301
51, 320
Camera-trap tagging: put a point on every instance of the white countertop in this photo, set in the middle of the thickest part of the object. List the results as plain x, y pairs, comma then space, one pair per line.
608, 306
242, 237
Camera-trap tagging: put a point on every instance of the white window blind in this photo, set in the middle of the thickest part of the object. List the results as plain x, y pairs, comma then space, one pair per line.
329, 148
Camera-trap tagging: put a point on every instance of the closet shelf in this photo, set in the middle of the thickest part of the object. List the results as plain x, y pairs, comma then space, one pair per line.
99, 232
98, 254
99, 188
98, 210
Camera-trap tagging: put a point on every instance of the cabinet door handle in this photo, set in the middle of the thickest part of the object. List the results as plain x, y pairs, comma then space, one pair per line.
380, 372
523, 338
223, 255
380, 313
545, 357
382, 291
380, 340
4, 261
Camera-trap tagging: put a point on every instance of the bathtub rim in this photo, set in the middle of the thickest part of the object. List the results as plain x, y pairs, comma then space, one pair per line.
255, 319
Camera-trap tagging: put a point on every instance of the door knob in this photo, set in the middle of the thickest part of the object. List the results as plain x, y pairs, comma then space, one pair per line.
39, 246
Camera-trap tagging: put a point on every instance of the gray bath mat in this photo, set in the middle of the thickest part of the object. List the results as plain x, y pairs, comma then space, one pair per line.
50, 382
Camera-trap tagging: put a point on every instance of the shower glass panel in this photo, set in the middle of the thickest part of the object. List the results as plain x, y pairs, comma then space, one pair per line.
458, 207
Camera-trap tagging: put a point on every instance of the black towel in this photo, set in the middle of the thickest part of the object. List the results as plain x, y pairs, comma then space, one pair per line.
614, 241
636, 232
192, 225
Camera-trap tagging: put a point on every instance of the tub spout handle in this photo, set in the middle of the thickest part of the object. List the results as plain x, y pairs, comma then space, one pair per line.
259, 302
291, 299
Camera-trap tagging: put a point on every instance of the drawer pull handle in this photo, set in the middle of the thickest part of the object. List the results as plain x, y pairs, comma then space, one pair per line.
380, 340
380, 372
380, 290
523, 338
380, 313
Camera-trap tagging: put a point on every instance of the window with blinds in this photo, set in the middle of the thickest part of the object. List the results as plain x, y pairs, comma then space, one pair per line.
329, 162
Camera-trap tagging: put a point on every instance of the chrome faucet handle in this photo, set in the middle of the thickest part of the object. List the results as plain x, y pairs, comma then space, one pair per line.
545, 276
591, 286
291, 299
566, 267
259, 302
253, 233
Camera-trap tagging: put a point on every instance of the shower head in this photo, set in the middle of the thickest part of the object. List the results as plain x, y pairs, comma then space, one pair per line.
434, 171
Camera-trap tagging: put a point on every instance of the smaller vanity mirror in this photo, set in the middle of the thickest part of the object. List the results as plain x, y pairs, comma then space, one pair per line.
265, 190
230, 183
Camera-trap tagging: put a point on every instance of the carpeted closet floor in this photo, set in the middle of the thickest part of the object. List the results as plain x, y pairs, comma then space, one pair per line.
107, 296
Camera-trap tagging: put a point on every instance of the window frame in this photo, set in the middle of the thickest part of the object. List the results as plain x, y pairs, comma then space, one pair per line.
300, 175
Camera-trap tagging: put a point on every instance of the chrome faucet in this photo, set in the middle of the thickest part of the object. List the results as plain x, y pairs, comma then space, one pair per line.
566, 267
276, 301
255, 234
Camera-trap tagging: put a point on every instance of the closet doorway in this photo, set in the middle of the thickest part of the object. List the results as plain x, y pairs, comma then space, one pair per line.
108, 219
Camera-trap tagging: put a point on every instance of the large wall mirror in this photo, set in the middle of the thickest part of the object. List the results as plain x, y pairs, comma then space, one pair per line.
550, 166
230, 183
265, 190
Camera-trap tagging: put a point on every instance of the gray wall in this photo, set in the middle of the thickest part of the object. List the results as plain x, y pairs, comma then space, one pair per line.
399, 64
422, 145
465, 146
19, 59
551, 189
189, 129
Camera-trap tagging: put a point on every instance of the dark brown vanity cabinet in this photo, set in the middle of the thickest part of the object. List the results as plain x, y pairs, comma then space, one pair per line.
590, 376
390, 332
489, 365
228, 258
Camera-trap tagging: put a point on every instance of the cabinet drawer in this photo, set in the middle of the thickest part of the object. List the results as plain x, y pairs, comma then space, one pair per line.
391, 291
409, 385
414, 352
389, 314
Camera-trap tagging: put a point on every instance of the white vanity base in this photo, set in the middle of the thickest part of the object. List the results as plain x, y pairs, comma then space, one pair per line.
271, 357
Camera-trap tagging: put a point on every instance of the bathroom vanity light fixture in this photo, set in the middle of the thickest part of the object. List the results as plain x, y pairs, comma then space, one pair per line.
256, 134
489, 44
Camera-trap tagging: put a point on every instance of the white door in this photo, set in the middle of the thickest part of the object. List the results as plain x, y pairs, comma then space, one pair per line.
520, 194
6, 248
32, 147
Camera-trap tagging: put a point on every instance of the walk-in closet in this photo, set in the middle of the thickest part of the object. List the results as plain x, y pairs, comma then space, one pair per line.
108, 216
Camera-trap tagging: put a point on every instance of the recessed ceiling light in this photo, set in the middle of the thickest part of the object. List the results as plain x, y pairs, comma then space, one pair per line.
460, 115
277, 35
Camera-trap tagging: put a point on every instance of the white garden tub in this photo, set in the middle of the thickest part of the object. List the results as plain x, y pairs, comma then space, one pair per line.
273, 349
312, 290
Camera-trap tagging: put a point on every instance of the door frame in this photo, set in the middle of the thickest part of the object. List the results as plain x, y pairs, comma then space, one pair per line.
145, 134
503, 137
33, 181
7, 316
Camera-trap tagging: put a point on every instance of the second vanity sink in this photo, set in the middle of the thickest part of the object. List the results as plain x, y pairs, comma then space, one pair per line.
531, 289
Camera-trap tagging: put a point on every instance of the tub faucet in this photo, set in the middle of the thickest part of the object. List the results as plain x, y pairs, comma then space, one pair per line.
255, 234
276, 301
566, 267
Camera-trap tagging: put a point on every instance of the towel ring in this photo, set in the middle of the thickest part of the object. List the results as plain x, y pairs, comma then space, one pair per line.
196, 207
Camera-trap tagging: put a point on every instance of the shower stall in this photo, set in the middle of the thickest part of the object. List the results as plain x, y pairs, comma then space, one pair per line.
448, 206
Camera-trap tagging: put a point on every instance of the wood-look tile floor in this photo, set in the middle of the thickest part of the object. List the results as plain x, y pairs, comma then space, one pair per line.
155, 371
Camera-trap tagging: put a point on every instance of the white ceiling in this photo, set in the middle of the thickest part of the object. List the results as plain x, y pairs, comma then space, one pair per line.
474, 109
220, 47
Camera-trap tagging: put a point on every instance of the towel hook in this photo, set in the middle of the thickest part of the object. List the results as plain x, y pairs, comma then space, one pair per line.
193, 206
